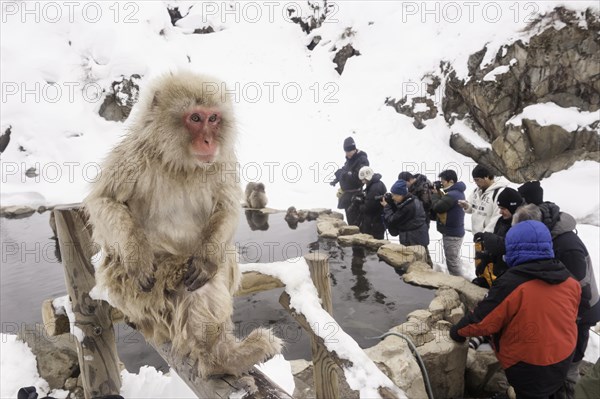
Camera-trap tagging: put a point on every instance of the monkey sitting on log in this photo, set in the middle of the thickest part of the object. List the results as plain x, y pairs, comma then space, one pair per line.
164, 211
255, 195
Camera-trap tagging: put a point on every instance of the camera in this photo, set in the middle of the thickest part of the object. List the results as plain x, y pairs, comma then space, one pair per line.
437, 185
387, 197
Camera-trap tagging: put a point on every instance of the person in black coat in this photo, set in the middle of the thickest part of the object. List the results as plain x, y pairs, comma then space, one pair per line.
370, 204
350, 184
404, 216
490, 262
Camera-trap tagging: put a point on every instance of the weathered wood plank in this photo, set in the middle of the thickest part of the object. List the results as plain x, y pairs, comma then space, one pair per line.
56, 321
93, 326
255, 282
325, 371
255, 385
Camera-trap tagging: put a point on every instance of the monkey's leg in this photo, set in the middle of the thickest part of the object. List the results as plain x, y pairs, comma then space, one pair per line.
235, 357
205, 333
123, 237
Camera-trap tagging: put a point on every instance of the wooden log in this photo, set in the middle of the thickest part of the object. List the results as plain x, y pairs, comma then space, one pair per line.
325, 371
255, 385
255, 282
284, 300
96, 347
56, 321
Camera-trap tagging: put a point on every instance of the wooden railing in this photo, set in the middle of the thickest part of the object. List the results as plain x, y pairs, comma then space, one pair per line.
91, 321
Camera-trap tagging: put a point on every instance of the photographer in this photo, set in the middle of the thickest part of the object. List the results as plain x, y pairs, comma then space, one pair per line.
490, 247
404, 216
370, 206
450, 217
350, 184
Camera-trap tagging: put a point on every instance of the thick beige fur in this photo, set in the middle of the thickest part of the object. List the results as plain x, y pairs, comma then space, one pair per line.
155, 208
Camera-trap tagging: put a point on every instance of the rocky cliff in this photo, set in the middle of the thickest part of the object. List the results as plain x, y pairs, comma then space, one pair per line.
507, 102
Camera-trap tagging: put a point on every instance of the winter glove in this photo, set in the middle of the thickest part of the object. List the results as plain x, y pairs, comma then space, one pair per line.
480, 282
483, 256
334, 182
455, 336
493, 244
358, 199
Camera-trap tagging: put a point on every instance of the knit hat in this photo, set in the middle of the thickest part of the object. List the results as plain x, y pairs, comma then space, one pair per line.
509, 199
532, 192
399, 188
526, 242
349, 144
365, 173
406, 176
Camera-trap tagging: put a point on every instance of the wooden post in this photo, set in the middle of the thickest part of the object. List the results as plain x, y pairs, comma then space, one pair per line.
324, 370
97, 351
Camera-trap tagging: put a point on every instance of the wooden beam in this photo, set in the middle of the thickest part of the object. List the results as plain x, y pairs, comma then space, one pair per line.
93, 326
255, 385
325, 370
56, 321
255, 282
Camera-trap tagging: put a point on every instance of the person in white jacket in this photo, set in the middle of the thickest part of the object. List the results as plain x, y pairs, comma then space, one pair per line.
482, 201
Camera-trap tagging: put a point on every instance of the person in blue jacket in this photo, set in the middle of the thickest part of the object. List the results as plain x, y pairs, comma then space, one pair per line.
450, 217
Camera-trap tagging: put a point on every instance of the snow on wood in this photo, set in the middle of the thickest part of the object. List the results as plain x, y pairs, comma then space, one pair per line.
362, 375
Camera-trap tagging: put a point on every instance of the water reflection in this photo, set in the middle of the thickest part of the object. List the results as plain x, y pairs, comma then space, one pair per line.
257, 220
361, 287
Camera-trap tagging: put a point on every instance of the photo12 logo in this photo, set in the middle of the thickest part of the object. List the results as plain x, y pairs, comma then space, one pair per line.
71, 11
468, 11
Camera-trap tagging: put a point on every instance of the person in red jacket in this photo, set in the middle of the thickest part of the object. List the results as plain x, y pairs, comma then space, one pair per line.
531, 313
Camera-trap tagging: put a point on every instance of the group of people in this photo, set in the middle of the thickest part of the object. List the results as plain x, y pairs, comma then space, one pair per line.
542, 298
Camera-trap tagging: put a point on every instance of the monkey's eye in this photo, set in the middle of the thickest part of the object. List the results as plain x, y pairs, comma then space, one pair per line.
196, 118
212, 118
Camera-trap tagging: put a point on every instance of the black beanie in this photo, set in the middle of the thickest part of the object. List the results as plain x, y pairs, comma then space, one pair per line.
509, 199
532, 192
349, 144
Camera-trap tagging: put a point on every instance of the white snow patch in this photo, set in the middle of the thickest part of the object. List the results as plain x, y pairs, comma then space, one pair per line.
547, 114
471, 136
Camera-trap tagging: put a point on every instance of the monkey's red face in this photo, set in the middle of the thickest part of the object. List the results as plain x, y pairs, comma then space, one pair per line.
203, 125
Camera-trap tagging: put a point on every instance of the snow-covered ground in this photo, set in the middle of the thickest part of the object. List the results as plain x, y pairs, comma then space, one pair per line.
292, 107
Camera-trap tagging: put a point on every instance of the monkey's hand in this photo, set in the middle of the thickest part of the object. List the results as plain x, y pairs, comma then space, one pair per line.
199, 271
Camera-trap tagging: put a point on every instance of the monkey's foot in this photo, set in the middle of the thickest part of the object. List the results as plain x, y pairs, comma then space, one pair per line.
199, 272
236, 358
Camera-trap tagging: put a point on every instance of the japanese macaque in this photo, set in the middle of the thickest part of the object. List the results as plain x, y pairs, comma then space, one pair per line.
256, 196
292, 217
164, 212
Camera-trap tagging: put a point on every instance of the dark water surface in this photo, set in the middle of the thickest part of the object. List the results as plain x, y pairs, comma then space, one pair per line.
369, 297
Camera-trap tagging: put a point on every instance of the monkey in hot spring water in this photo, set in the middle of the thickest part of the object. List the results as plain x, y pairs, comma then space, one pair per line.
164, 211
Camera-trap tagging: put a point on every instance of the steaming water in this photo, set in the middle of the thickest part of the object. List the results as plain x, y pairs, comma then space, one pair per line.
369, 296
